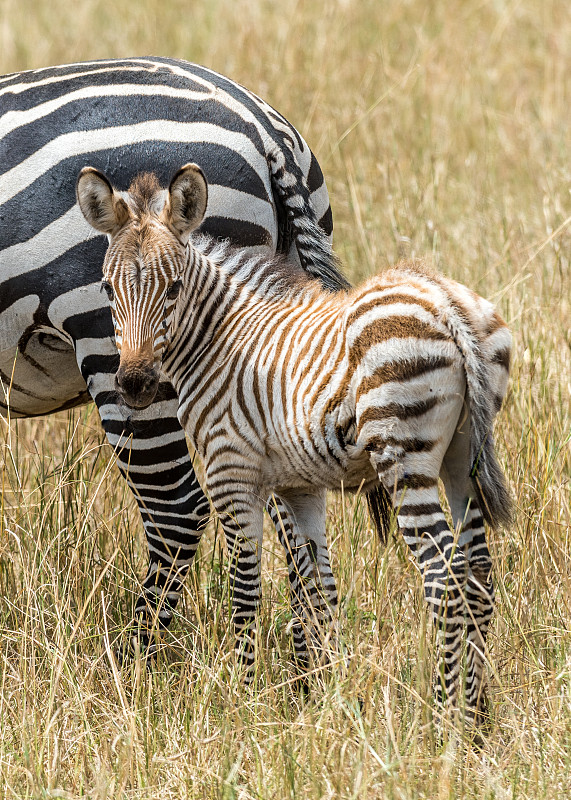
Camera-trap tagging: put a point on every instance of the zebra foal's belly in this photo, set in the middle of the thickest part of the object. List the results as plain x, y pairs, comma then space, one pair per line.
352, 469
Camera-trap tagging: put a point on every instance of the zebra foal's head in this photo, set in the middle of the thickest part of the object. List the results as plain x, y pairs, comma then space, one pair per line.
148, 229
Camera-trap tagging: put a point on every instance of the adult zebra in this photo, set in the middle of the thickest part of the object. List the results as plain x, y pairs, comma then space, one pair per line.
56, 336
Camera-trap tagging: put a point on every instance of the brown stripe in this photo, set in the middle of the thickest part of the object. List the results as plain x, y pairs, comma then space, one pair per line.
284, 333
241, 400
448, 287
255, 333
332, 404
399, 371
503, 357
213, 400
326, 327
206, 362
494, 324
313, 342
476, 523
389, 299
218, 344
240, 397
270, 334
234, 486
397, 327
420, 510
408, 445
257, 397
325, 381
398, 410
196, 336
416, 482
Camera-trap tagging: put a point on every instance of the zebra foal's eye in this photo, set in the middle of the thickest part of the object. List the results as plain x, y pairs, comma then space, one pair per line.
108, 289
174, 289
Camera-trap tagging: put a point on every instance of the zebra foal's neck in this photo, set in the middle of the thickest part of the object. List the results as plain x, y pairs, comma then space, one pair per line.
230, 286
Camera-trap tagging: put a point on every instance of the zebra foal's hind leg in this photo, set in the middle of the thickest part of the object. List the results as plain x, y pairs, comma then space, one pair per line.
443, 566
444, 569
469, 521
299, 518
457, 584
407, 451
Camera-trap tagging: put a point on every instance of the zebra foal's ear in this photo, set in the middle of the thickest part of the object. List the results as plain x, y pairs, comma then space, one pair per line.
100, 204
186, 203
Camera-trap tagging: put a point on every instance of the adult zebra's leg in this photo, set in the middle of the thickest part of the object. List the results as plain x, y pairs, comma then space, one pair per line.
153, 456
299, 518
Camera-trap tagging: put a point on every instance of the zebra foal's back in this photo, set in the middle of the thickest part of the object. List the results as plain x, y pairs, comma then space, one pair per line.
395, 385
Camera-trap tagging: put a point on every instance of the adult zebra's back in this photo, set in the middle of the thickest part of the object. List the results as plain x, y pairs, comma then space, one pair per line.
56, 345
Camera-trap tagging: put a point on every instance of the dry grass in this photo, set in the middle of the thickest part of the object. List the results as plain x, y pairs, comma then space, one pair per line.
443, 130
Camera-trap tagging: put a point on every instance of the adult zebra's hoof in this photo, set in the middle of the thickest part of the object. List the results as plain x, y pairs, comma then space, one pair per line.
301, 688
136, 646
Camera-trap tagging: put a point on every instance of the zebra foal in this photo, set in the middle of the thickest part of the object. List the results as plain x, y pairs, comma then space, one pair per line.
289, 389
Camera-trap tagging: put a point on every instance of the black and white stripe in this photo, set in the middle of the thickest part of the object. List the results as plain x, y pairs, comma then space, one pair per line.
266, 193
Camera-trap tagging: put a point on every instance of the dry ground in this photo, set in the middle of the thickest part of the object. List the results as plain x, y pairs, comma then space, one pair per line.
443, 130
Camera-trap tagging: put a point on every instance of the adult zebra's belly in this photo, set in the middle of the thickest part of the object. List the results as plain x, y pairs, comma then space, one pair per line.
38, 368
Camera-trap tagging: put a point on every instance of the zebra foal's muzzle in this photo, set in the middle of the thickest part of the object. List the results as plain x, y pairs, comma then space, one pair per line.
137, 381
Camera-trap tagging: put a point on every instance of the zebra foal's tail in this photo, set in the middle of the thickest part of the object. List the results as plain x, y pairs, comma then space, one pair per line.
488, 479
381, 511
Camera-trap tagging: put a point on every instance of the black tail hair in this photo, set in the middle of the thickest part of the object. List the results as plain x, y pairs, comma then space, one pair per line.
313, 246
381, 510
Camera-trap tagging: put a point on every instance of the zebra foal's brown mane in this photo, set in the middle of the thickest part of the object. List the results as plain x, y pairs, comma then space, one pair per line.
143, 190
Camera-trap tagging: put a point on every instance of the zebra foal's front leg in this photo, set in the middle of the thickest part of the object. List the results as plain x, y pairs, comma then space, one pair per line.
239, 505
299, 518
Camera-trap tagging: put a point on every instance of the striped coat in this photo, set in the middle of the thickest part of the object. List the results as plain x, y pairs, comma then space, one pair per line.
56, 336
288, 390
